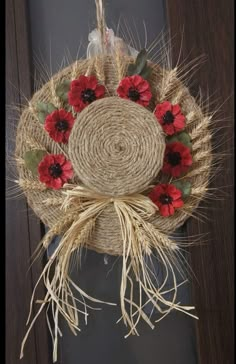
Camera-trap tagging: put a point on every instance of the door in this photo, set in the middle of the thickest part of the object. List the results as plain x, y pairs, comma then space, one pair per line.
35, 39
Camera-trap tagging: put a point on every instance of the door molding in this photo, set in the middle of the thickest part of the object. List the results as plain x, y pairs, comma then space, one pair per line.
208, 29
23, 229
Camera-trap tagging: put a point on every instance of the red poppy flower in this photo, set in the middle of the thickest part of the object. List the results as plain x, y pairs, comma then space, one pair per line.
83, 91
59, 124
54, 170
177, 159
167, 198
136, 89
170, 117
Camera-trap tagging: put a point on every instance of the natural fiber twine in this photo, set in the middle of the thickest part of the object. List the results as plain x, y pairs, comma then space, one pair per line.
116, 147
123, 155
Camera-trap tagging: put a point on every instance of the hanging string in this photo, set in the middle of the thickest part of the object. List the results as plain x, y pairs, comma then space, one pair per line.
101, 24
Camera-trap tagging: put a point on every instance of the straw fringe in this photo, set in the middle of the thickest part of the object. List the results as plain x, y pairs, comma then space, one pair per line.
81, 207
59, 294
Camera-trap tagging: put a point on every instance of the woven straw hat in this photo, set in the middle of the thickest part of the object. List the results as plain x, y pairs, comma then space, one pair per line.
116, 147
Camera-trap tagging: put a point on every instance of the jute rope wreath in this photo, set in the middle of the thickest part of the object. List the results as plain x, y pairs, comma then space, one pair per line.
113, 154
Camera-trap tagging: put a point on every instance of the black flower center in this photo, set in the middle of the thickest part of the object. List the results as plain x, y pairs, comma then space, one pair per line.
88, 95
55, 170
133, 94
174, 158
62, 125
165, 199
168, 118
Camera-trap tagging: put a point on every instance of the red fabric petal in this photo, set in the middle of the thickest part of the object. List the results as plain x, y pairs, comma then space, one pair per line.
76, 83
185, 162
59, 158
188, 161
139, 84
66, 136
146, 96
79, 106
124, 87
43, 177
171, 209
51, 121
169, 129
176, 109
156, 192
55, 183
179, 122
176, 171
62, 114
142, 103
164, 210
74, 96
153, 196
179, 119
136, 80
78, 86
177, 203
143, 87
67, 166
66, 175
44, 170
122, 92
48, 159
161, 109
100, 91
91, 82
160, 189
57, 136
170, 190
166, 169
174, 192
80, 82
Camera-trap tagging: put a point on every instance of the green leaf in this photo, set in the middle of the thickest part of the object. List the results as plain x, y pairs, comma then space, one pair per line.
182, 137
42, 117
32, 158
185, 139
131, 69
43, 110
146, 72
172, 139
141, 61
51, 108
140, 67
184, 187
43, 107
62, 90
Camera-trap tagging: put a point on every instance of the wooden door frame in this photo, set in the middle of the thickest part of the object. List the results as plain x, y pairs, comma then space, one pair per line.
23, 229
208, 29
212, 263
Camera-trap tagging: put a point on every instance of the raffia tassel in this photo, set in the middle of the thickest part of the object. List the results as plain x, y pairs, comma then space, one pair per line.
135, 245
59, 294
81, 207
